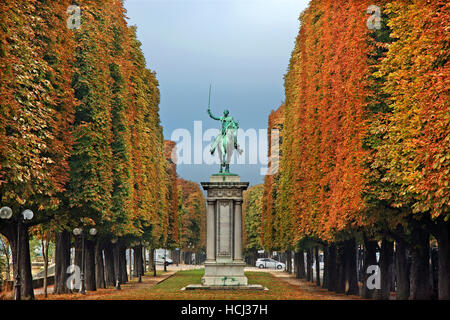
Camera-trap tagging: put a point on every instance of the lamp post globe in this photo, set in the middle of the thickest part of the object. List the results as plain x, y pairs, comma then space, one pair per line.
27, 214
5, 213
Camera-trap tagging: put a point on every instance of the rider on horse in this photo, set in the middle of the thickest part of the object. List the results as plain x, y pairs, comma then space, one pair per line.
228, 124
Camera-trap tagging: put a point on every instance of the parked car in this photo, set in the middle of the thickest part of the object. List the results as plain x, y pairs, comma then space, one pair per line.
269, 263
160, 260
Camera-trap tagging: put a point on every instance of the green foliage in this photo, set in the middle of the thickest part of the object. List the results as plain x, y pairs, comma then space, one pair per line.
36, 248
251, 211
80, 135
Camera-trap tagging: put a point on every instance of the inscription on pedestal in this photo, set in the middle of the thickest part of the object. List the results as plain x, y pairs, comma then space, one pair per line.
224, 231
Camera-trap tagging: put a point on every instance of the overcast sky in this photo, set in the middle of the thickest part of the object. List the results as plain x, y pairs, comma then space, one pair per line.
242, 47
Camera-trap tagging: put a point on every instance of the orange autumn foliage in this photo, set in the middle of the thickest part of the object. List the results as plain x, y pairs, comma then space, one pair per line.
366, 122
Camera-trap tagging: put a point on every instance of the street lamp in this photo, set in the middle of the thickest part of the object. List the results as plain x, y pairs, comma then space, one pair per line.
6, 214
80, 232
190, 246
116, 249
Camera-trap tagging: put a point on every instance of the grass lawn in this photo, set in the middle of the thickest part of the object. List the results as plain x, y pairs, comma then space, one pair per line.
170, 289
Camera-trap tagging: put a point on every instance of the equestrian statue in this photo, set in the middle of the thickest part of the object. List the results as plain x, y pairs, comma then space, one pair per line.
226, 141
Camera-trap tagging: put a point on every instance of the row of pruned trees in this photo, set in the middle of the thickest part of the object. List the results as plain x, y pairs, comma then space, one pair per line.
366, 147
251, 216
191, 220
80, 137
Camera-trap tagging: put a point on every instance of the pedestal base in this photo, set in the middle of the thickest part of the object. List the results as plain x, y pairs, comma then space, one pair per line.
202, 287
224, 274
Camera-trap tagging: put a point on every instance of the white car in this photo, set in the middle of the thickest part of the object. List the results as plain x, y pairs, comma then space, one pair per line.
269, 263
160, 259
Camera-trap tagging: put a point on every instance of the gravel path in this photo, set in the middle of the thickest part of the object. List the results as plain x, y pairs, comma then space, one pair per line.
315, 292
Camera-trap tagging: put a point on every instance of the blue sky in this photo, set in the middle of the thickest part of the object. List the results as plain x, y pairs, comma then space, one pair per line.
242, 47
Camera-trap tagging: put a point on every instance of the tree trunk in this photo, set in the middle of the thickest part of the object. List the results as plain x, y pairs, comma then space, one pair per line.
62, 261
117, 269
296, 264
301, 264
151, 260
402, 270
370, 259
393, 273
360, 262
289, 261
420, 269
340, 274
332, 268
99, 266
316, 253
45, 243
443, 256
309, 274
134, 273
138, 263
140, 260
386, 259
351, 280
123, 264
25, 262
325, 268
26, 279
78, 252
10, 232
110, 277
285, 260
89, 267
434, 271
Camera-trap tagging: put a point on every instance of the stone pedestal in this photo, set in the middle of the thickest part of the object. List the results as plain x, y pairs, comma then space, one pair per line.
224, 265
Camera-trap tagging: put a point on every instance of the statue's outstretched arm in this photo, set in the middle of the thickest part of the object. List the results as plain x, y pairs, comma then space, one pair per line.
211, 115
